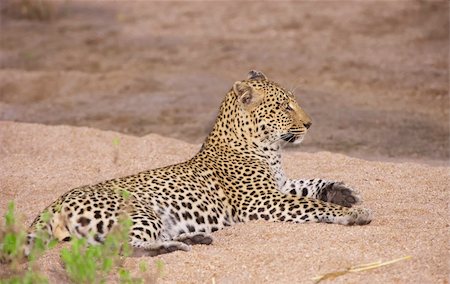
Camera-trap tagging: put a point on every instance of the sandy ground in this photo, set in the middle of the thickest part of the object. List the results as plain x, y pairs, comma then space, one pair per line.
372, 74
410, 202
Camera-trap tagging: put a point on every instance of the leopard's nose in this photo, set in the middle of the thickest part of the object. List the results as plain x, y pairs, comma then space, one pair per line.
308, 124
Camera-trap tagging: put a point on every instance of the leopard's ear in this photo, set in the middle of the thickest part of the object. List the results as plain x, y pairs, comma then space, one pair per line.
256, 75
247, 96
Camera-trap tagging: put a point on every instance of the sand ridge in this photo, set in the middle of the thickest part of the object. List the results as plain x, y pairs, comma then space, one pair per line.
410, 202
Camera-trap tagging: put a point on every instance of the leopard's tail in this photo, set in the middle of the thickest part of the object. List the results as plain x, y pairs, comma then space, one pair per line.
49, 225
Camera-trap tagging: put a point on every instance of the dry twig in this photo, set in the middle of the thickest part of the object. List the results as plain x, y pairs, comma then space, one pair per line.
357, 268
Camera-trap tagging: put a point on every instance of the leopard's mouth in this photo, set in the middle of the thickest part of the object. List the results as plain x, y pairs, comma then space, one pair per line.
294, 138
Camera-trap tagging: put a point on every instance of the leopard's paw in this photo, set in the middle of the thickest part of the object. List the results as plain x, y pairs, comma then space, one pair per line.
195, 239
340, 194
156, 248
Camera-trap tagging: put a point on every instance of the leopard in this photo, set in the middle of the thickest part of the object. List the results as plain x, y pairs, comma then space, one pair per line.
235, 177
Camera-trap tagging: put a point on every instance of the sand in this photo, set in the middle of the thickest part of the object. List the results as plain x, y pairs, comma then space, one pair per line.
410, 203
373, 75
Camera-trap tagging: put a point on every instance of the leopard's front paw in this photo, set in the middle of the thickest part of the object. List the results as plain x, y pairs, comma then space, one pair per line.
340, 194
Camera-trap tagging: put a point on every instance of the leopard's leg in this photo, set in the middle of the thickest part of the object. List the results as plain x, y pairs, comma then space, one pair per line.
329, 191
146, 235
150, 242
290, 208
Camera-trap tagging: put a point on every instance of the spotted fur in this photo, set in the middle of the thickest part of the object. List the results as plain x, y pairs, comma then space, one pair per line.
236, 177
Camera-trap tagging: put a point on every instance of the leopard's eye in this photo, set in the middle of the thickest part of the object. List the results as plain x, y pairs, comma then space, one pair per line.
288, 108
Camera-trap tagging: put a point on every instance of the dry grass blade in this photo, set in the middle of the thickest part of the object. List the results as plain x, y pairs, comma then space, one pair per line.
357, 268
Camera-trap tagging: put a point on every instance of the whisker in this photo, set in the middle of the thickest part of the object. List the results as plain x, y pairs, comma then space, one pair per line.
297, 84
297, 131
286, 138
281, 138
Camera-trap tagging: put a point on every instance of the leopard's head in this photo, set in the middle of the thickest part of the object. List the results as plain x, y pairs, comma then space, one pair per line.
269, 113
